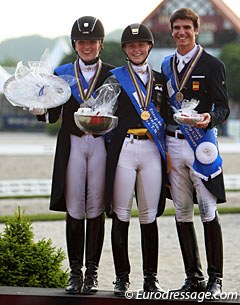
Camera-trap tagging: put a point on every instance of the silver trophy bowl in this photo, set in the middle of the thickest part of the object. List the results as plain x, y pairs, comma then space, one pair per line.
95, 124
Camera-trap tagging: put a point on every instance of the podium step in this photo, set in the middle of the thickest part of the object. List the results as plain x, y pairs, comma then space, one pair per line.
54, 296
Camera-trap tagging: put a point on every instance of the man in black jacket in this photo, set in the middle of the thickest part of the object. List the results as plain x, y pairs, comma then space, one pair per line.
191, 74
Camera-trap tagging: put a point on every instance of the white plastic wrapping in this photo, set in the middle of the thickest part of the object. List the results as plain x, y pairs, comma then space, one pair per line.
186, 114
35, 86
98, 117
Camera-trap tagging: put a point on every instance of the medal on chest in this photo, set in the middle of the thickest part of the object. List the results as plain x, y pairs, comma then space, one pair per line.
179, 96
180, 83
143, 100
80, 80
145, 115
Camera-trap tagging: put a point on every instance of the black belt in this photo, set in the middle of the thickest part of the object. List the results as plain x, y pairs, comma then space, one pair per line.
175, 134
144, 137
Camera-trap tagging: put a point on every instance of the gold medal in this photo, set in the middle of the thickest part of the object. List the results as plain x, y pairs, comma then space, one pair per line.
145, 115
179, 96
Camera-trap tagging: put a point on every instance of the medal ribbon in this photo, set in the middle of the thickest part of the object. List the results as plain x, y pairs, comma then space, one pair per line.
80, 80
155, 124
144, 102
187, 73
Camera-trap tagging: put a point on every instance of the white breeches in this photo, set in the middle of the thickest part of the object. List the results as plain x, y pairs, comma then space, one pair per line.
139, 169
183, 181
86, 169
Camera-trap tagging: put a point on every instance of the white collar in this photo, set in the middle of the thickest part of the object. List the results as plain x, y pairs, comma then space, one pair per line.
140, 69
87, 68
187, 57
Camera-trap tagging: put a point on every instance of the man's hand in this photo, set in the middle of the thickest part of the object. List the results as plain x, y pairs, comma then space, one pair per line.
206, 119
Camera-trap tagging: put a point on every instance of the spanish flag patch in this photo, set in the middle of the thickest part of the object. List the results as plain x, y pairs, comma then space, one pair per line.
195, 86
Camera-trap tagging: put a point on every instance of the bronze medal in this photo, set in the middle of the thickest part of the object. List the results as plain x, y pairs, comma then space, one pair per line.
84, 105
145, 115
179, 96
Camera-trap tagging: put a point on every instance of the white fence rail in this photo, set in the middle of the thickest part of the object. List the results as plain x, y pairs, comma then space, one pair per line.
42, 187
232, 182
25, 188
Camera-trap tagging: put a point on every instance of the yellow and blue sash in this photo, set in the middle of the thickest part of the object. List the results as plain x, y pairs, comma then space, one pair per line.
155, 124
194, 136
80, 85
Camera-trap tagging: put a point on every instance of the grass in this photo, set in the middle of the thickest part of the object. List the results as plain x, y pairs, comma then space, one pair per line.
61, 216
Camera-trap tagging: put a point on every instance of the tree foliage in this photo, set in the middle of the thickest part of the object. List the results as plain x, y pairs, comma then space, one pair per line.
25, 263
230, 56
9, 62
112, 54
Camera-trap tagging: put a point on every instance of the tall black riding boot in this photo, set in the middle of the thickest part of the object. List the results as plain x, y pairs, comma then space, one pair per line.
75, 247
194, 281
94, 243
119, 237
149, 238
214, 252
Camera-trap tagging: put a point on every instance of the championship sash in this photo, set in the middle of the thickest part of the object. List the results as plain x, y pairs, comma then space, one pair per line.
208, 162
68, 69
80, 85
154, 123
